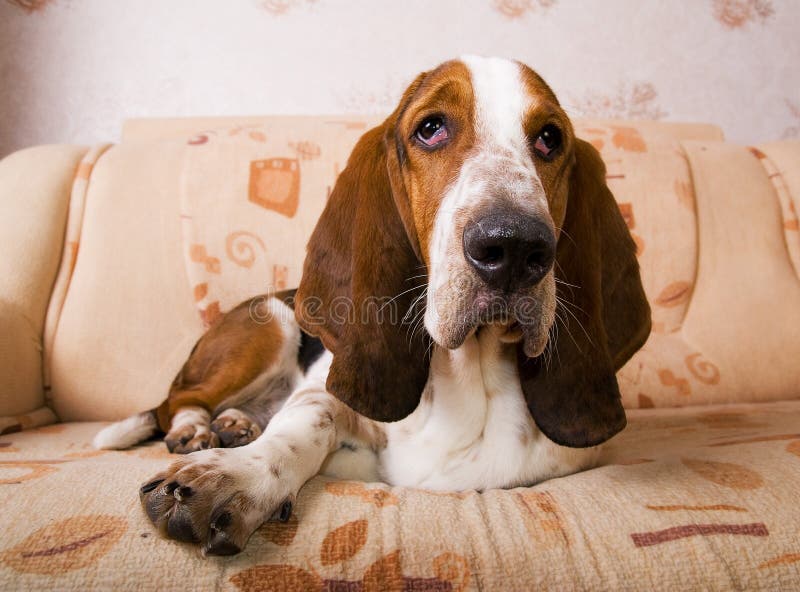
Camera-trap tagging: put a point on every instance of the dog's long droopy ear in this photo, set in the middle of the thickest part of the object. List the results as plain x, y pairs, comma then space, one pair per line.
361, 281
573, 396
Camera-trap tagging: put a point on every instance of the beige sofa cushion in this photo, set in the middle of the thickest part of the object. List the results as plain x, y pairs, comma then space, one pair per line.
745, 310
720, 279
687, 499
127, 319
35, 186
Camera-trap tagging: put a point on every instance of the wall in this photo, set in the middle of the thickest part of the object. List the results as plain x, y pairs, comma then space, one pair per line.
72, 70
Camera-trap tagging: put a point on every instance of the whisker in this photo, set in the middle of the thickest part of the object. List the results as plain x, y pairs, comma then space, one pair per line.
429, 351
420, 325
552, 336
577, 320
415, 302
414, 277
564, 300
572, 304
415, 320
558, 333
413, 331
570, 312
400, 294
415, 317
562, 282
569, 332
565, 233
412, 322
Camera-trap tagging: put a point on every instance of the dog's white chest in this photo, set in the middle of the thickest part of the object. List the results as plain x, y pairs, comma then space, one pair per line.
472, 429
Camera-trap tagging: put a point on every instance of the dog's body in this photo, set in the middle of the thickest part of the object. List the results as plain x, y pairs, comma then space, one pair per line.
448, 239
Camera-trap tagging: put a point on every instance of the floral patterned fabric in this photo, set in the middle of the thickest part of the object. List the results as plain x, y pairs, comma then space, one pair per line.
697, 498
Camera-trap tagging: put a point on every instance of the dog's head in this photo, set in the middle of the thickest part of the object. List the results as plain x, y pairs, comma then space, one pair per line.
474, 204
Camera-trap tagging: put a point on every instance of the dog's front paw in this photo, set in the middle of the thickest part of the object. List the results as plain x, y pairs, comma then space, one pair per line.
216, 498
235, 428
190, 438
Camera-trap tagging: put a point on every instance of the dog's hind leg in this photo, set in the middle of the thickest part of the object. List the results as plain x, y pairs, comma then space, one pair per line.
239, 374
250, 354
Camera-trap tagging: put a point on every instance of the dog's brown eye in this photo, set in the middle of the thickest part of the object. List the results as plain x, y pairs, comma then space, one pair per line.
548, 142
432, 131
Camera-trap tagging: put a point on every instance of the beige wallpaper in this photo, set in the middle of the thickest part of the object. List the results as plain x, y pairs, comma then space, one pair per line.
72, 70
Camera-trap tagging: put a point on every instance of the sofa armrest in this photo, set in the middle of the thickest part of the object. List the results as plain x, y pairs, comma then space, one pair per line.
35, 186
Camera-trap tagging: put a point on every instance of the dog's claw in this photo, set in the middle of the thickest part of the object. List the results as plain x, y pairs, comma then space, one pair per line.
182, 493
148, 487
220, 544
285, 511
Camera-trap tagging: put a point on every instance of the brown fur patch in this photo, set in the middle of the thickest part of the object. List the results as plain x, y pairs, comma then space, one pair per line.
231, 354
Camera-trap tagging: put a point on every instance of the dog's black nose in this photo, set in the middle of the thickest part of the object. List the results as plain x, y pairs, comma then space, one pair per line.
510, 252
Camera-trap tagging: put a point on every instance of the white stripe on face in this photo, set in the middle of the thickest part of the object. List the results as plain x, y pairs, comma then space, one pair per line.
500, 102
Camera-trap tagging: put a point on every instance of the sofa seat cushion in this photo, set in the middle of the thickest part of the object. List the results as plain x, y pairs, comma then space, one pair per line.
692, 498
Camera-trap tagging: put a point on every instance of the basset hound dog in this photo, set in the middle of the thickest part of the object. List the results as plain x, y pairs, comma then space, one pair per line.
467, 296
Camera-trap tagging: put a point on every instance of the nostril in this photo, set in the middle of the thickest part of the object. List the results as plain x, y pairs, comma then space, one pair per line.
493, 254
539, 256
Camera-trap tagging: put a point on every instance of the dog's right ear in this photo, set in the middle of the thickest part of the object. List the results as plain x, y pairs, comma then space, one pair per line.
576, 400
361, 276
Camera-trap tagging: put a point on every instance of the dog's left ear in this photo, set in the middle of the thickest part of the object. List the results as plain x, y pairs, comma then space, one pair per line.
362, 279
574, 397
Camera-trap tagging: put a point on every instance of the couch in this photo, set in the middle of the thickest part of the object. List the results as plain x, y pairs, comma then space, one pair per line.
116, 257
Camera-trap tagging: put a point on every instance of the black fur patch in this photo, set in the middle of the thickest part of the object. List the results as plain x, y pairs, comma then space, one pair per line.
311, 349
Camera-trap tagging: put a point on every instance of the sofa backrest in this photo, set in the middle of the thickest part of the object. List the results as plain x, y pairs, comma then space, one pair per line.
185, 218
